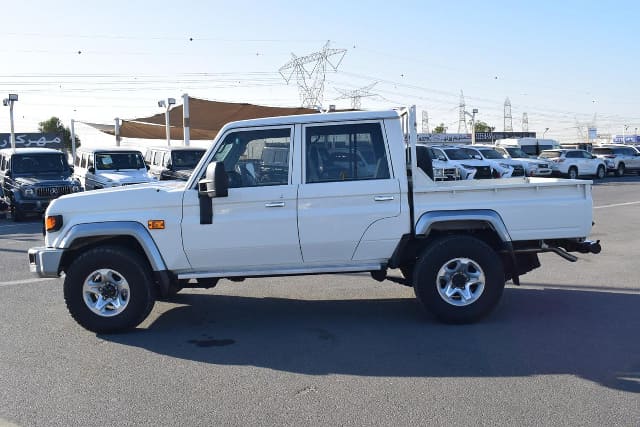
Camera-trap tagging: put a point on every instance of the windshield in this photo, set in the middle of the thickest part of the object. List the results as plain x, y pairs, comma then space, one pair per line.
602, 151
516, 153
491, 154
457, 154
550, 154
117, 161
39, 163
186, 158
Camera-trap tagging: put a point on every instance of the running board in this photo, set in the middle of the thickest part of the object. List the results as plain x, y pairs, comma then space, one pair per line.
292, 271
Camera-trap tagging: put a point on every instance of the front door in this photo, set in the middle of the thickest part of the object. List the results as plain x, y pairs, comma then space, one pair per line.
255, 227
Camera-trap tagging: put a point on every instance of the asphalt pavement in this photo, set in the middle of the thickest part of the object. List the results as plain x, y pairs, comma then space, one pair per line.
562, 349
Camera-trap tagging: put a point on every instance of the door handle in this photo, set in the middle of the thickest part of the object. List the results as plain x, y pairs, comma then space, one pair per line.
383, 198
274, 205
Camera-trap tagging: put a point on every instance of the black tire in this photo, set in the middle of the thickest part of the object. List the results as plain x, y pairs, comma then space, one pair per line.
466, 252
572, 173
17, 214
601, 173
620, 169
127, 265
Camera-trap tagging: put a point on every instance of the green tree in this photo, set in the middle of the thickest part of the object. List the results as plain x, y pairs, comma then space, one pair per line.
54, 125
483, 127
441, 128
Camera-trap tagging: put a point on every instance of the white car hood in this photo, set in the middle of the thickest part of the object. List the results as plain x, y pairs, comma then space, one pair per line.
126, 176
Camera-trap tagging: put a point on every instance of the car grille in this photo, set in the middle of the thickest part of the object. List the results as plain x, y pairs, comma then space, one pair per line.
483, 172
518, 171
53, 192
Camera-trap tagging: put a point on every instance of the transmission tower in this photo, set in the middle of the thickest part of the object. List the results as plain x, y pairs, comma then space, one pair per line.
425, 122
525, 122
462, 121
357, 95
508, 120
310, 72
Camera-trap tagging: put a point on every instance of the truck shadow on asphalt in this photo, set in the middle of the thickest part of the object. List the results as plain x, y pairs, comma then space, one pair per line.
592, 335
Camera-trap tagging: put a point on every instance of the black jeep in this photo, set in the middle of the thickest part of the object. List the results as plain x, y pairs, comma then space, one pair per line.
32, 177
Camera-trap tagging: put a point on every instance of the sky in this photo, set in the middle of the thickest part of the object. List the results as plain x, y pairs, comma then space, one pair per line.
565, 64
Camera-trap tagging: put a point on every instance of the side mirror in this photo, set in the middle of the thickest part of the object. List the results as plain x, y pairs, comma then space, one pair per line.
169, 166
7, 173
71, 168
215, 182
91, 169
147, 167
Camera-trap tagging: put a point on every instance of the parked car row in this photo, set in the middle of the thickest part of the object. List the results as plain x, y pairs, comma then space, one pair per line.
505, 161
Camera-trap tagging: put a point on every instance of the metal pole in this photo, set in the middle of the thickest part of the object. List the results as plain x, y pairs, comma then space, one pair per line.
167, 125
117, 132
73, 141
473, 127
13, 134
186, 121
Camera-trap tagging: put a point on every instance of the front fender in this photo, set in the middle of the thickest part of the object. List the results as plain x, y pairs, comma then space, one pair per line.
111, 229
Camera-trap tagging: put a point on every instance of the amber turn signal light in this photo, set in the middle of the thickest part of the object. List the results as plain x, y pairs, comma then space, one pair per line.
53, 223
156, 224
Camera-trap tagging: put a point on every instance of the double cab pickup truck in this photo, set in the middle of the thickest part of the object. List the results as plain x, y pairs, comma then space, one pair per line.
455, 242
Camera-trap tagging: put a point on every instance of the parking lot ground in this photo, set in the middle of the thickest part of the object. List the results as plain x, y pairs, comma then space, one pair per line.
562, 349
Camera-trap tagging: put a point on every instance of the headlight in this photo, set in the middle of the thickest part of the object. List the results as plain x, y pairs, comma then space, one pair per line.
29, 192
504, 165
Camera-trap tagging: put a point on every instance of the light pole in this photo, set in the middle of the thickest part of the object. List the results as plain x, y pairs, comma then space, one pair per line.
624, 132
167, 104
473, 124
545, 132
13, 97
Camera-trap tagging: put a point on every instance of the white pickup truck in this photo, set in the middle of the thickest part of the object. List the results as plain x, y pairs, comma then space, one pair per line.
456, 242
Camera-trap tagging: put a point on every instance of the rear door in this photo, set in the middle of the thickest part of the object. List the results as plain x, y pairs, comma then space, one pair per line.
341, 199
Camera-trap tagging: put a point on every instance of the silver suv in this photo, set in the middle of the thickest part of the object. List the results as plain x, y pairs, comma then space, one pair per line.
619, 158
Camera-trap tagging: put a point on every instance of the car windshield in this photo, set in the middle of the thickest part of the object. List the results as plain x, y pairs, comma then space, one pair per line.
457, 154
117, 161
552, 154
490, 153
516, 153
186, 158
39, 163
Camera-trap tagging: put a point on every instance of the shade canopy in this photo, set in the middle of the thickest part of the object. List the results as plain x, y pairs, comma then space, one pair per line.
206, 119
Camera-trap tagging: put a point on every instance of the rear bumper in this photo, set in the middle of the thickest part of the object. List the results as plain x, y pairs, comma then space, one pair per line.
45, 262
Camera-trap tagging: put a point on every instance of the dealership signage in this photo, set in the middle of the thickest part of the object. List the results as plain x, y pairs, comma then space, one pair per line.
465, 138
33, 140
628, 139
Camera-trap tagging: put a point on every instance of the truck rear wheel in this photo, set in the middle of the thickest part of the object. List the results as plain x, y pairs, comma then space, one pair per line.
459, 279
109, 289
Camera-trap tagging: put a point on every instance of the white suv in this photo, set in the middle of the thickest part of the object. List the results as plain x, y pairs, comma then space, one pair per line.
532, 167
507, 167
619, 158
456, 157
99, 168
575, 163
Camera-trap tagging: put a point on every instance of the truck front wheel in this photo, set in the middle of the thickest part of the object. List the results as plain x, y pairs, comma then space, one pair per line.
459, 279
109, 289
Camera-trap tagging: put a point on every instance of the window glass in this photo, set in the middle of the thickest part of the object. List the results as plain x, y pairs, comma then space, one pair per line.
256, 158
2, 163
89, 160
76, 161
438, 154
187, 158
35, 163
119, 160
345, 153
83, 163
572, 155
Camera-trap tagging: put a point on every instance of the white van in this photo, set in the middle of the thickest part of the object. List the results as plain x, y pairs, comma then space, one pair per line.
97, 168
532, 146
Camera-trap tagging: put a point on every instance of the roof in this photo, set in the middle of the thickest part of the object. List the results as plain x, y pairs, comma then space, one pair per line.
29, 150
176, 148
107, 149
